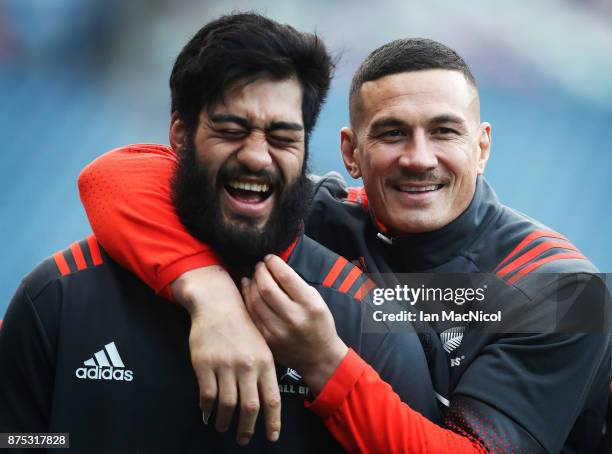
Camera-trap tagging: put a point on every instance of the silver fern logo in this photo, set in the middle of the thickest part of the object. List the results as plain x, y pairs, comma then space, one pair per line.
451, 338
291, 373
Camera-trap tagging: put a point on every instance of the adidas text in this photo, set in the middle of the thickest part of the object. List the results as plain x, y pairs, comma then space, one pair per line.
104, 373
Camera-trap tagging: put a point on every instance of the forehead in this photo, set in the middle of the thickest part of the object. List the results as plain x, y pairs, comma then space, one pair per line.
264, 100
419, 95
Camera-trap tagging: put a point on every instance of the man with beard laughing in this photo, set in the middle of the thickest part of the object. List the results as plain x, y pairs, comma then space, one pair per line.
246, 207
87, 349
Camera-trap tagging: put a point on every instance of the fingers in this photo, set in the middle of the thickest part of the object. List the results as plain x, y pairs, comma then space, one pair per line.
249, 408
288, 280
230, 358
208, 393
270, 292
268, 385
228, 397
265, 318
271, 399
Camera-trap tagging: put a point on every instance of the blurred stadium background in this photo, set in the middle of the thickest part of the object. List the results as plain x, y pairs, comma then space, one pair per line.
79, 77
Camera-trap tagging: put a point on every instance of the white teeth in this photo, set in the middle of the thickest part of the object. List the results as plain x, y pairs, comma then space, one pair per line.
255, 187
432, 187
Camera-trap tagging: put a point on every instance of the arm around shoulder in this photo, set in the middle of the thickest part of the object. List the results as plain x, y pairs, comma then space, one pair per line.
126, 194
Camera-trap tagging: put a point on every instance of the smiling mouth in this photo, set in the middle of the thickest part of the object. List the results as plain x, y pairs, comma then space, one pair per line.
411, 189
249, 191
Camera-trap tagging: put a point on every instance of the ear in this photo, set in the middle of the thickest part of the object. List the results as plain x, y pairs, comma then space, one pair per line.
350, 156
178, 132
484, 146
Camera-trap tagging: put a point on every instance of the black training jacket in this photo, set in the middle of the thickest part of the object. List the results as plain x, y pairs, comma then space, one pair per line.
86, 348
515, 392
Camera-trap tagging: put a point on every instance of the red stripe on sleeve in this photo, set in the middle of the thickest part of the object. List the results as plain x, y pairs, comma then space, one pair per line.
77, 253
529, 268
533, 253
94, 250
335, 271
365, 289
528, 239
350, 279
61, 263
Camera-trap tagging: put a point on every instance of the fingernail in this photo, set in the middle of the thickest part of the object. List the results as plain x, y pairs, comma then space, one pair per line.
243, 441
244, 281
205, 417
268, 257
274, 436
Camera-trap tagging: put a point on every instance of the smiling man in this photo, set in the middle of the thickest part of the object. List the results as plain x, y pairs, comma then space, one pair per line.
436, 115
417, 141
86, 348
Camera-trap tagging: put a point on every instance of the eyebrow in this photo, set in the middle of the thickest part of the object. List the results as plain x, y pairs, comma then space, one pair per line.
386, 122
275, 126
285, 125
230, 118
448, 118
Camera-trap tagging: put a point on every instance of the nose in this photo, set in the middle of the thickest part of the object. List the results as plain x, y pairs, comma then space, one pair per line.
255, 153
418, 155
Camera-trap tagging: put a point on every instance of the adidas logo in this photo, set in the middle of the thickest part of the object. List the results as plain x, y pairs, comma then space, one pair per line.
451, 338
99, 367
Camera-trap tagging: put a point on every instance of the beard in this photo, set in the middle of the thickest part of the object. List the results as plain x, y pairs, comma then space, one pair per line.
240, 244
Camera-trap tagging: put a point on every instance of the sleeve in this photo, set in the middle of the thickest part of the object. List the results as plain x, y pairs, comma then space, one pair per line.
522, 393
364, 414
126, 194
26, 368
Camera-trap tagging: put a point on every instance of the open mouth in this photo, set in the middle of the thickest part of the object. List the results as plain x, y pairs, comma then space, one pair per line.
412, 189
248, 191
252, 199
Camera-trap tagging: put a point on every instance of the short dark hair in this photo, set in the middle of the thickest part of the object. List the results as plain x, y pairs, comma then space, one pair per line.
405, 55
248, 46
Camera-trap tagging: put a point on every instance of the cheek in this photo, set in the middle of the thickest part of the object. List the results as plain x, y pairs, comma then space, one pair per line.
375, 165
213, 153
461, 163
289, 164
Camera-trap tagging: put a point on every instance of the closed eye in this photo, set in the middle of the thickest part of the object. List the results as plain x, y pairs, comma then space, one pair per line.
232, 133
283, 140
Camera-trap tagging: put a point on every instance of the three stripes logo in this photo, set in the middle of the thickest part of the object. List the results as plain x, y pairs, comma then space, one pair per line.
535, 250
451, 338
347, 278
105, 365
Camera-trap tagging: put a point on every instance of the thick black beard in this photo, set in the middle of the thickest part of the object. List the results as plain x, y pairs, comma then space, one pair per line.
195, 195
